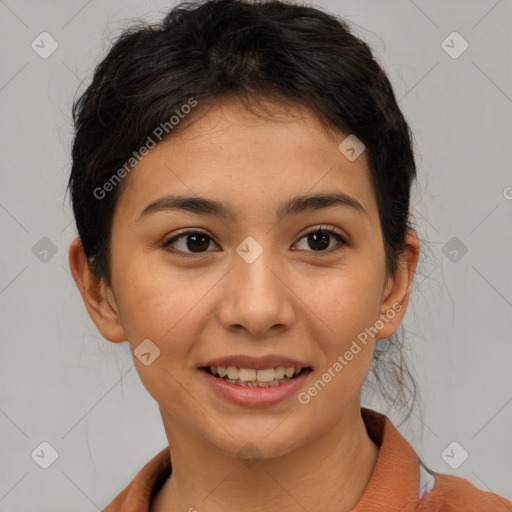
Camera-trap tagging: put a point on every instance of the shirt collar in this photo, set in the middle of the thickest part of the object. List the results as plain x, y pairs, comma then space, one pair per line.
393, 485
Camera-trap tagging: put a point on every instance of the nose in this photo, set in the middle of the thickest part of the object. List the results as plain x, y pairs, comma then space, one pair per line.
257, 298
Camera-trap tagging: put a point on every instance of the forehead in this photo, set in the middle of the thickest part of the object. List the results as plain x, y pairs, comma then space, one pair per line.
248, 159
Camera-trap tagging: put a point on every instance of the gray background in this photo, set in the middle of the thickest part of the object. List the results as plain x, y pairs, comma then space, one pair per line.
62, 383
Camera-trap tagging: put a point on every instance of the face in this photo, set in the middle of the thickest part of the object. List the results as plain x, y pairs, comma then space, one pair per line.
266, 282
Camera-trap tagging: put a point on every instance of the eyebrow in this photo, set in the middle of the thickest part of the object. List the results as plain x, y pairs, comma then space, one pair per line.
293, 206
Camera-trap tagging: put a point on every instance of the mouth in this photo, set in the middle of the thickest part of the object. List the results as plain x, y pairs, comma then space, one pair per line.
256, 378
255, 381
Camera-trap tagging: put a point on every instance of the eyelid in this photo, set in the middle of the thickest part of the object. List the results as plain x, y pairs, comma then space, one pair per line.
184, 232
325, 228
342, 239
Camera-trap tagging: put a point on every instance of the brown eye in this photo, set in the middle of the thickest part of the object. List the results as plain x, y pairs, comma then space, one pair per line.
197, 242
320, 240
189, 242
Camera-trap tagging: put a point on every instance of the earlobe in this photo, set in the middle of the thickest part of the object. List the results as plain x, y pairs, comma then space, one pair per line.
397, 291
97, 297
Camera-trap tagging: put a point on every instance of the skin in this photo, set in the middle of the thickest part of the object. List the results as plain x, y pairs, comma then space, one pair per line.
307, 304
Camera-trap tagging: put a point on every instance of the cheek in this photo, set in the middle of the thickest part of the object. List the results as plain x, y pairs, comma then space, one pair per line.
160, 312
345, 302
169, 313
152, 298
345, 309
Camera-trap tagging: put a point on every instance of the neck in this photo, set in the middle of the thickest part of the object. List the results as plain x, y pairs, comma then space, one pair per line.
330, 473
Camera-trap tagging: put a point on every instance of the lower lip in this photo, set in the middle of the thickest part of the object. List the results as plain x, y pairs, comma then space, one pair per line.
255, 396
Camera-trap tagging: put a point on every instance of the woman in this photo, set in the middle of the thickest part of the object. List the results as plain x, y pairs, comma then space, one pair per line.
241, 179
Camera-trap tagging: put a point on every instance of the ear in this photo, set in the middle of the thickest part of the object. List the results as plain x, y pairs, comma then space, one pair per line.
395, 297
98, 298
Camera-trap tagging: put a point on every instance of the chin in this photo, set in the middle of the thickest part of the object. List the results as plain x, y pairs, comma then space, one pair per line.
253, 439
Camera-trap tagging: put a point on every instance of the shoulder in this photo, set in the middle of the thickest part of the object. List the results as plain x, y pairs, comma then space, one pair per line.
455, 494
406, 484
137, 495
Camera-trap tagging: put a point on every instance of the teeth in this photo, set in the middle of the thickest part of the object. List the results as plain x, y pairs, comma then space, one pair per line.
279, 372
257, 384
265, 375
255, 378
246, 374
232, 372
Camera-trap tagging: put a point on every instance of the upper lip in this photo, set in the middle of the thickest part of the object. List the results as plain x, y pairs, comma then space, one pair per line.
258, 363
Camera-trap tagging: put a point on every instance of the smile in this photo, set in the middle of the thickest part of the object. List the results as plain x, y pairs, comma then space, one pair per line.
251, 377
251, 387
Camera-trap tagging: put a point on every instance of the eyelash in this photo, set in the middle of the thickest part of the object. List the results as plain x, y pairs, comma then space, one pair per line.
321, 229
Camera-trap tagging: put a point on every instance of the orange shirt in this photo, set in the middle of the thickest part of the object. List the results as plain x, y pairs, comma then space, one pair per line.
400, 481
